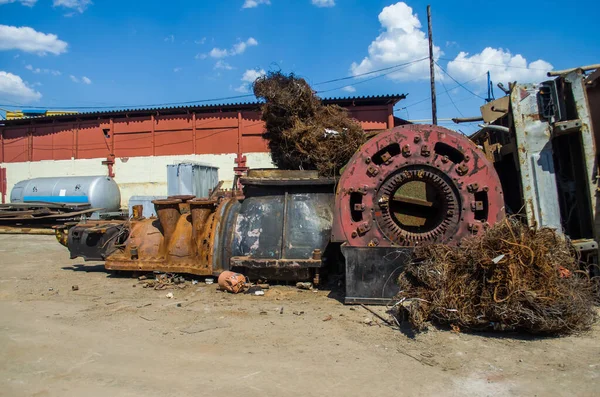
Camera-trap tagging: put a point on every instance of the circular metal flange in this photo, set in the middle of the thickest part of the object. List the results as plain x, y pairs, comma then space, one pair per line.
416, 184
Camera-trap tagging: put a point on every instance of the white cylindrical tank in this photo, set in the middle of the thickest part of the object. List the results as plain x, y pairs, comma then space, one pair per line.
98, 191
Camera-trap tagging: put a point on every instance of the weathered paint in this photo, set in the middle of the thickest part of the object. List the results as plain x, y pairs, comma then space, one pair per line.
535, 155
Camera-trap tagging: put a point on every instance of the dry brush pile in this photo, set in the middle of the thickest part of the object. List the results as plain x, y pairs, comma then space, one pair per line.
301, 131
513, 277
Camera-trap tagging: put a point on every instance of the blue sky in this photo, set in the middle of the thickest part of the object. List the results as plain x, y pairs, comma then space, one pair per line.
67, 53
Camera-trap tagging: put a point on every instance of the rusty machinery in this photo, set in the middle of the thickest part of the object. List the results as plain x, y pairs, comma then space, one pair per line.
411, 185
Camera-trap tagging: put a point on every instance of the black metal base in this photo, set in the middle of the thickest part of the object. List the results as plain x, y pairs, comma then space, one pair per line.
371, 273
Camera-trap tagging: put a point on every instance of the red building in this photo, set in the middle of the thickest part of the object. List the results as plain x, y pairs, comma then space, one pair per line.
142, 138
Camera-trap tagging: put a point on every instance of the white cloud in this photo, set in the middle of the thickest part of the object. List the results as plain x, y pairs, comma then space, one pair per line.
349, 88
255, 3
244, 88
28, 3
252, 74
170, 38
503, 66
74, 79
86, 80
201, 56
27, 39
176, 70
201, 41
218, 53
238, 48
12, 87
79, 5
401, 41
324, 3
248, 78
221, 64
43, 71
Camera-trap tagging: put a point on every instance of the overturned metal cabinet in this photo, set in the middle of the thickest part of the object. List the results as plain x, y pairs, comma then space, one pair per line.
283, 224
545, 153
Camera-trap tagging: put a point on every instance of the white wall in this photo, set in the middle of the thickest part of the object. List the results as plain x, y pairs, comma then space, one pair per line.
136, 176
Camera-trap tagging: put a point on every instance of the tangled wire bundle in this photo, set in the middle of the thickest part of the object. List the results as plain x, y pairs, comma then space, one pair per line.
301, 131
513, 277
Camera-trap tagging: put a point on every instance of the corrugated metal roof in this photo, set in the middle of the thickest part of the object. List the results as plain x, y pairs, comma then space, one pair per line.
204, 108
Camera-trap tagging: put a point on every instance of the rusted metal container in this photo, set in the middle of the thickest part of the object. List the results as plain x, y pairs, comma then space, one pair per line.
283, 224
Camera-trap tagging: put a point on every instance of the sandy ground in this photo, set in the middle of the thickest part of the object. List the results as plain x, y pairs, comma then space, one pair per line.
113, 337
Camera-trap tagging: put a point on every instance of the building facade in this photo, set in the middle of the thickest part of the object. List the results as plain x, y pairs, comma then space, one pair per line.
137, 145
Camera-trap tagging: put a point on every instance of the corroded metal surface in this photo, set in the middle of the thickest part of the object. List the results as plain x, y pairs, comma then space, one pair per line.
181, 240
416, 184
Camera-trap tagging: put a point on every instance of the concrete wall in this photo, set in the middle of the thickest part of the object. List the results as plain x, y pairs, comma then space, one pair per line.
136, 176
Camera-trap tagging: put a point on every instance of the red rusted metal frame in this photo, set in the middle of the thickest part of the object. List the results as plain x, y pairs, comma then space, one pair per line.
390, 121
153, 132
3, 184
194, 131
362, 176
30, 143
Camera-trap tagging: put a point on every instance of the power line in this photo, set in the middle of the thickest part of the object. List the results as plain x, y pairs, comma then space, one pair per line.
449, 89
371, 72
492, 64
399, 67
456, 81
449, 97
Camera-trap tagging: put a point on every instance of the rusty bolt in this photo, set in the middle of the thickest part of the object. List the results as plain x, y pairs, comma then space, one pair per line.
485, 188
476, 206
425, 152
417, 139
445, 159
316, 254
354, 234
359, 207
368, 160
372, 171
363, 228
473, 187
373, 243
467, 157
386, 157
462, 169
406, 150
473, 227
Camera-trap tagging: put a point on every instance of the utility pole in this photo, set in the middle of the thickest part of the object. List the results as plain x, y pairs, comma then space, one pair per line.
431, 70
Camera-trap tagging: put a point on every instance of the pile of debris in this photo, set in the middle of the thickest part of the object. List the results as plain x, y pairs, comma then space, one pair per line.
512, 277
302, 132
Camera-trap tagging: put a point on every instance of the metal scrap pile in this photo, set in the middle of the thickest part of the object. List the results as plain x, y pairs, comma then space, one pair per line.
512, 277
302, 132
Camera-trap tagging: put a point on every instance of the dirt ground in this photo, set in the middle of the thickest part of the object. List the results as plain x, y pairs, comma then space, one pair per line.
113, 337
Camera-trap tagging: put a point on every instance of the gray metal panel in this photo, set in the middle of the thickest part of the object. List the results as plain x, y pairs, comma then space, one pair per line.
309, 217
535, 159
146, 201
191, 178
258, 227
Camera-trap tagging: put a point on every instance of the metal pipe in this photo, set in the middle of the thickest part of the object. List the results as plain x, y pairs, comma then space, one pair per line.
494, 127
565, 71
467, 119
